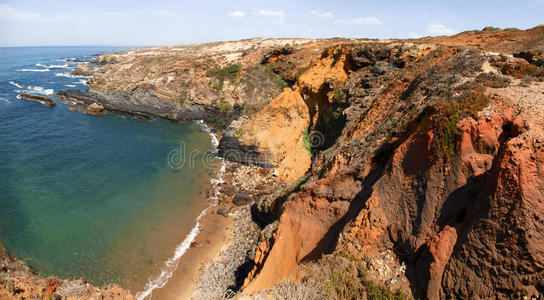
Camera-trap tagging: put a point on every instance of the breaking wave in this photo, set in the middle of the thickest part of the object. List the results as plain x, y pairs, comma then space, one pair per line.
71, 76
32, 70
36, 90
2, 99
16, 84
65, 66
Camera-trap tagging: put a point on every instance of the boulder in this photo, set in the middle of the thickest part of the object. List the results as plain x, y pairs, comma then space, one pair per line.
241, 199
96, 109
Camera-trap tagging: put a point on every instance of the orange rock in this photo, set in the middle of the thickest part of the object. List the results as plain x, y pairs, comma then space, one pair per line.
300, 236
279, 130
440, 248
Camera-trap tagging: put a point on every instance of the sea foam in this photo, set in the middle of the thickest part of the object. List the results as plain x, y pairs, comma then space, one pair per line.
32, 70
16, 84
65, 66
71, 76
37, 90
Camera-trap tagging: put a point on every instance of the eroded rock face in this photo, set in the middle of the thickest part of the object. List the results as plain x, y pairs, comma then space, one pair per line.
466, 225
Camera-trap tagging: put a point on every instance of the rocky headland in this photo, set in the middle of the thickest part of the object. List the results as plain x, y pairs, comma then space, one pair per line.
359, 169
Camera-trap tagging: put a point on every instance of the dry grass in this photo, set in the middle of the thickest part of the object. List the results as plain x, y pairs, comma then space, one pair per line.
336, 276
219, 275
307, 289
73, 288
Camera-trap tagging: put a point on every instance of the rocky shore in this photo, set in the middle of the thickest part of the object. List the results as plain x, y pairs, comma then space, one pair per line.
18, 281
360, 169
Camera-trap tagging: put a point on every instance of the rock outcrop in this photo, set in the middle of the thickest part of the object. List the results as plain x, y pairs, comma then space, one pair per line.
95, 109
42, 99
432, 162
18, 281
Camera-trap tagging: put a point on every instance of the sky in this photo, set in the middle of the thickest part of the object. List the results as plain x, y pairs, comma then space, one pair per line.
167, 22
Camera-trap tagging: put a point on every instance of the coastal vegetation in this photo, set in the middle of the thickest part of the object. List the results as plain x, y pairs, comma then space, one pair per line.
448, 113
224, 106
230, 72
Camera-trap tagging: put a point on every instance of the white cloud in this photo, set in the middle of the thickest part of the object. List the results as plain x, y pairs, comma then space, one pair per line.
322, 15
360, 21
278, 14
9, 13
269, 13
237, 14
439, 29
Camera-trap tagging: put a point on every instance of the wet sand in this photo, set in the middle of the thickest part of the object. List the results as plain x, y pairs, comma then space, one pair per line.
213, 236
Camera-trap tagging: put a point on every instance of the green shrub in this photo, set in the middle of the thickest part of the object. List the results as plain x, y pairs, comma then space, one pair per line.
306, 141
448, 113
301, 71
217, 122
239, 133
224, 106
339, 97
349, 281
182, 97
337, 113
491, 29
231, 72
277, 79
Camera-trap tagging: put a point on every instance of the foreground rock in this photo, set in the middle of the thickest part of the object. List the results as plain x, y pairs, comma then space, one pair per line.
42, 99
18, 281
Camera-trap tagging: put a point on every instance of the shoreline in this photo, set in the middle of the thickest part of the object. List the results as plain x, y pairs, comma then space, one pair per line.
214, 236
199, 234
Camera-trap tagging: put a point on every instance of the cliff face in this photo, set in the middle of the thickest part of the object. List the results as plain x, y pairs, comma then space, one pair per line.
203, 81
420, 159
436, 161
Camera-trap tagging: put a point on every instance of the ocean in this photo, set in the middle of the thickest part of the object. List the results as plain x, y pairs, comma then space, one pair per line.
107, 198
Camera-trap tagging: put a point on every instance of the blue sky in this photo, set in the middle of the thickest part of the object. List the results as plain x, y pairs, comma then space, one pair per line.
165, 22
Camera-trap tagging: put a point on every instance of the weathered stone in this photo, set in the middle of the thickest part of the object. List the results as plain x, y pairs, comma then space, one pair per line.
44, 100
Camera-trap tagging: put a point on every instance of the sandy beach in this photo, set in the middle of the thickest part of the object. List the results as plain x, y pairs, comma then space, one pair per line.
208, 243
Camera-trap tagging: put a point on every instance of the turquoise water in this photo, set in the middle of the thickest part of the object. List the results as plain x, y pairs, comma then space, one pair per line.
90, 196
